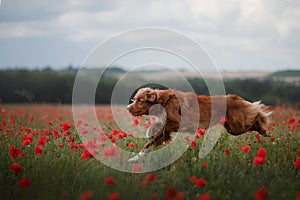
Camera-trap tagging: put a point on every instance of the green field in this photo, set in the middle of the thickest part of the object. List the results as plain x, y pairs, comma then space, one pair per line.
37, 142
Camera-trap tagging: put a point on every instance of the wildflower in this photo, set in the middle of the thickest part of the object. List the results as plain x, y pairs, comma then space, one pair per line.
226, 151
173, 194
261, 152
24, 183
205, 164
193, 144
154, 196
130, 145
15, 152
38, 150
136, 168
87, 195
259, 160
31, 119
144, 183
298, 195
201, 131
110, 181
245, 149
297, 163
291, 120
84, 131
201, 182
204, 196
114, 196
150, 177
111, 151
65, 126
135, 122
193, 179
272, 139
86, 154
261, 194
16, 168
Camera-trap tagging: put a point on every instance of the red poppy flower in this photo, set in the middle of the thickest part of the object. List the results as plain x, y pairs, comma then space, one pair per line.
110, 151
226, 151
144, 183
136, 168
179, 196
261, 152
65, 126
261, 194
297, 162
87, 195
16, 168
193, 144
193, 179
204, 196
110, 181
24, 183
201, 131
41, 142
272, 139
154, 196
245, 149
31, 119
201, 182
205, 164
130, 145
135, 122
114, 196
150, 177
86, 154
291, 120
259, 160
298, 195
15, 152
170, 193
38, 150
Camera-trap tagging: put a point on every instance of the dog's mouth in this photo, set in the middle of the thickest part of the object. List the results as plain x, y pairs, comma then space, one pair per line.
137, 114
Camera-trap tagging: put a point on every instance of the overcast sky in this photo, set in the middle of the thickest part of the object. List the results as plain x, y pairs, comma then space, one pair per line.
237, 34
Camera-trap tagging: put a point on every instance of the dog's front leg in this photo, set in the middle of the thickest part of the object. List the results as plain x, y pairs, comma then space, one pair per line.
155, 140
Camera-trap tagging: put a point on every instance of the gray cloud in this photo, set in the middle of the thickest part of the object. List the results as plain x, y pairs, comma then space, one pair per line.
237, 34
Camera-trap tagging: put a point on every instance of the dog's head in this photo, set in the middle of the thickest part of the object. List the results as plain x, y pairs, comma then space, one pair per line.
142, 101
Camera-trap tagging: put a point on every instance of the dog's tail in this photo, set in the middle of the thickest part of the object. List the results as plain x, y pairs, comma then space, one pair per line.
262, 111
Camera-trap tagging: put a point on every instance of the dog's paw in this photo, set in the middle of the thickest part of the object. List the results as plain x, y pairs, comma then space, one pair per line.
137, 157
134, 159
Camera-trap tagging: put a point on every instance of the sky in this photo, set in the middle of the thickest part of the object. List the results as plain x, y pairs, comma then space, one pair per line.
247, 35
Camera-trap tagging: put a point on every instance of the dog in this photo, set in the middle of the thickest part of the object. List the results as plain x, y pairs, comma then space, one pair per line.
169, 106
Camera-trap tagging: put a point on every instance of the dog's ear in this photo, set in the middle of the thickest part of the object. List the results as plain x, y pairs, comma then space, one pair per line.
151, 96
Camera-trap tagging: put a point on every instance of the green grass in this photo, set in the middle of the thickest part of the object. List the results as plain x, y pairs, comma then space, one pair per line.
60, 173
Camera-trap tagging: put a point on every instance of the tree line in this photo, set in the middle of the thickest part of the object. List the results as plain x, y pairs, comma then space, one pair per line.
48, 86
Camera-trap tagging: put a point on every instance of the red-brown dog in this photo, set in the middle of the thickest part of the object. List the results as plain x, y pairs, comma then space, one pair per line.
241, 115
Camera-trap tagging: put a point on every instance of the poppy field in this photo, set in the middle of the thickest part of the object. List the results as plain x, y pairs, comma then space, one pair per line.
42, 157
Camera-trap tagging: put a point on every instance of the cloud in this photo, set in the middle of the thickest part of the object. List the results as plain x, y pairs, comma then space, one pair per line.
231, 30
